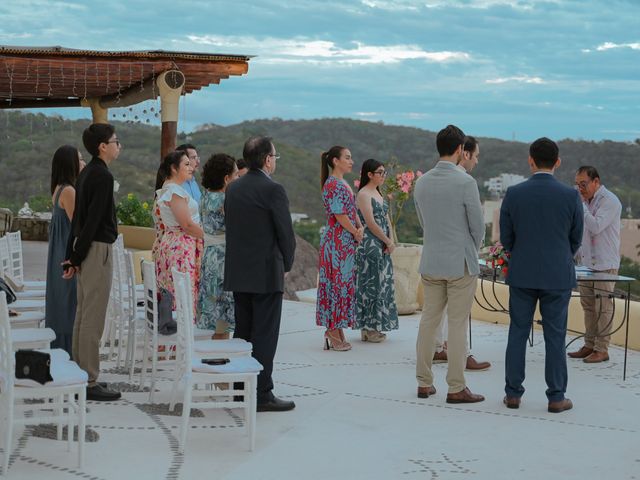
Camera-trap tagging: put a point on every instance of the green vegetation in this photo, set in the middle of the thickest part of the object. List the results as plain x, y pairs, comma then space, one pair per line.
629, 268
27, 143
131, 211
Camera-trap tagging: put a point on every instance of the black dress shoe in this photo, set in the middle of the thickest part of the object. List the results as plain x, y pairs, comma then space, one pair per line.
274, 404
100, 393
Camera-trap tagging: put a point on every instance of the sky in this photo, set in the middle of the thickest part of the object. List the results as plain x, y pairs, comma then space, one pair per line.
511, 69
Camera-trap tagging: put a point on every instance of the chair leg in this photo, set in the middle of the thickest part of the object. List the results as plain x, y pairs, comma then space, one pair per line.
82, 409
250, 410
186, 412
154, 366
59, 414
71, 412
8, 434
145, 359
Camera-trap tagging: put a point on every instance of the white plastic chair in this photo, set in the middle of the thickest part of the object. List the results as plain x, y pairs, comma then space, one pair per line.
115, 320
60, 405
26, 320
36, 338
192, 372
17, 266
152, 339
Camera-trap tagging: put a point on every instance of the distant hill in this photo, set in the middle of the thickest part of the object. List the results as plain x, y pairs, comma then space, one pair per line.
27, 143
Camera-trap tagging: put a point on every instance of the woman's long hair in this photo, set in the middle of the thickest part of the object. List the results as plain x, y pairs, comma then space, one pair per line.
65, 167
327, 162
173, 159
369, 166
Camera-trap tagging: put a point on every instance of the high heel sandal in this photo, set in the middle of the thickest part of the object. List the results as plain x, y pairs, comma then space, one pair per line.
333, 343
372, 336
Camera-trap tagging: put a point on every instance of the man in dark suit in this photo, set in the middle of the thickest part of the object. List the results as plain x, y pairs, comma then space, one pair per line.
541, 224
260, 249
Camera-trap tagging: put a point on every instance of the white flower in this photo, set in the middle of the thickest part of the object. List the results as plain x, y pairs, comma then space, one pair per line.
116, 186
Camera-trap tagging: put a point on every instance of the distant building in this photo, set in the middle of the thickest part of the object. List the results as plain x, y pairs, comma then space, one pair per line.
489, 207
498, 185
299, 217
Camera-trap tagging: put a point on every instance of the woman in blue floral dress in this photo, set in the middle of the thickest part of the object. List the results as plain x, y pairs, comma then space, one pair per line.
215, 306
376, 310
335, 308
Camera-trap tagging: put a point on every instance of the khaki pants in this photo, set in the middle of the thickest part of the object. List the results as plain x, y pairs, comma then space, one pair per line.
94, 285
456, 295
598, 312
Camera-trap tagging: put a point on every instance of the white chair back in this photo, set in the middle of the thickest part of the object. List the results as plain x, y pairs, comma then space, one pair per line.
6, 350
5, 256
150, 296
15, 250
184, 319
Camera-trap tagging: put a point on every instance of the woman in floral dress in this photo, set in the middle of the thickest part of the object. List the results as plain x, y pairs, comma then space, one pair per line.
376, 310
215, 306
180, 240
335, 307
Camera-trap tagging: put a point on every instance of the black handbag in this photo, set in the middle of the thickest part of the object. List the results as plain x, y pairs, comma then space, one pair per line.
4, 287
34, 365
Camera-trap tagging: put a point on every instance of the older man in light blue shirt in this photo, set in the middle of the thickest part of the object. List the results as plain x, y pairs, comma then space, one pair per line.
600, 251
191, 186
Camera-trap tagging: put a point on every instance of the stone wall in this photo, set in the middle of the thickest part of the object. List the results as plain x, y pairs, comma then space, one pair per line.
32, 228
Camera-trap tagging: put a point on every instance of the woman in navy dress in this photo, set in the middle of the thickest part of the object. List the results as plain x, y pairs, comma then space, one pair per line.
61, 300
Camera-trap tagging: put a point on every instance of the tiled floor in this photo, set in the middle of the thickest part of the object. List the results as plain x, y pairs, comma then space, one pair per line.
358, 417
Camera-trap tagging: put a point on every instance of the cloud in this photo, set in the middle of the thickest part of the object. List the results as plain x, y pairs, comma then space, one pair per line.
611, 46
367, 114
414, 5
304, 50
517, 79
14, 36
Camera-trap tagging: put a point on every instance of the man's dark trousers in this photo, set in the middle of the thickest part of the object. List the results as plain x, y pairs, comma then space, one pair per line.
554, 305
258, 321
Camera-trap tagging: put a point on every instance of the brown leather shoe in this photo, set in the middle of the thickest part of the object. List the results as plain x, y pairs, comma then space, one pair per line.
561, 406
464, 396
424, 392
474, 366
582, 353
597, 357
440, 357
511, 402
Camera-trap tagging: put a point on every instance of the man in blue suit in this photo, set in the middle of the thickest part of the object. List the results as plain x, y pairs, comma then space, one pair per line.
541, 224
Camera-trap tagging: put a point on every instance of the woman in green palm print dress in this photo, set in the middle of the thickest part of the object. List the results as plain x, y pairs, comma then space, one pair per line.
376, 310
215, 306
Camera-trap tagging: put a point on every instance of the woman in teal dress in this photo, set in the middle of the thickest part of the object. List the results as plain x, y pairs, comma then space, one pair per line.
376, 310
215, 306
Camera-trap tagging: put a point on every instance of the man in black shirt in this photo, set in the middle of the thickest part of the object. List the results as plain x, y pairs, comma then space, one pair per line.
93, 231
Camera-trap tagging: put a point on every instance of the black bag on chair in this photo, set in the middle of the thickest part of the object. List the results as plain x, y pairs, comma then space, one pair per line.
34, 365
4, 287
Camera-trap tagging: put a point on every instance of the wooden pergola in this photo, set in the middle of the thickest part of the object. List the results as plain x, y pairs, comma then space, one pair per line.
41, 77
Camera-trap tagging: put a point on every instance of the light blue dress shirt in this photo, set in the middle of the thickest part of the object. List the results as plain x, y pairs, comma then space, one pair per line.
192, 188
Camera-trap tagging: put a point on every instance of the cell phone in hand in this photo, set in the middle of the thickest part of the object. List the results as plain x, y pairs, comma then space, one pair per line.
215, 361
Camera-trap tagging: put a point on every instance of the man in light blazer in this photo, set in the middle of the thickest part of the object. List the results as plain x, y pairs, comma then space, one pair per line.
448, 206
541, 224
260, 246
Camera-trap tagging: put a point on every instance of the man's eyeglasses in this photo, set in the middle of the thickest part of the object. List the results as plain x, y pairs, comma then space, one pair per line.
583, 184
195, 157
382, 173
277, 157
117, 142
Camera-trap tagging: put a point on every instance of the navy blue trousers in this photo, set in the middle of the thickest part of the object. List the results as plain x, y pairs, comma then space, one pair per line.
554, 305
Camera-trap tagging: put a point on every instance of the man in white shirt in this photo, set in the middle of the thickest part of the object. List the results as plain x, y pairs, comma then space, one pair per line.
600, 251
467, 163
191, 185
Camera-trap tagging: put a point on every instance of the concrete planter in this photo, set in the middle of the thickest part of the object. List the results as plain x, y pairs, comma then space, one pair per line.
406, 258
138, 238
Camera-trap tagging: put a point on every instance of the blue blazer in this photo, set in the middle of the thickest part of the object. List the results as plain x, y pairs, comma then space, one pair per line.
541, 223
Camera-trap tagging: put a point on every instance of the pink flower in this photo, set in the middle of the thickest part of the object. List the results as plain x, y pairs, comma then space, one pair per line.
356, 183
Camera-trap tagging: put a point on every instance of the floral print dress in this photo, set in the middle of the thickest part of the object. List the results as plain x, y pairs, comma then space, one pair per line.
215, 306
375, 293
176, 248
335, 306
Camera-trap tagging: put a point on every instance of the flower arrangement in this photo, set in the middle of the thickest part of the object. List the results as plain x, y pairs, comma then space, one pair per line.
397, 188
131, 211
498, 257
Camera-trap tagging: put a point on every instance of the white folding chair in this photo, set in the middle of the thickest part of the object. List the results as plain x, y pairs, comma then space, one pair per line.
17, 266
116, 316
60, 404
35, 338
152, 340
26, 320
192, 372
